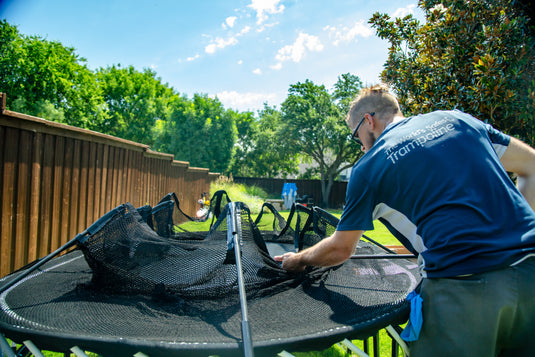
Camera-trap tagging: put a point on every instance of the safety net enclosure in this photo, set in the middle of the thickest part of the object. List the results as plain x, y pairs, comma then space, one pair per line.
157, 281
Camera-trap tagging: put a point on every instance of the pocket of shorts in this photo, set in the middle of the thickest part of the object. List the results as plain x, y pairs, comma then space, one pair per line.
469, 279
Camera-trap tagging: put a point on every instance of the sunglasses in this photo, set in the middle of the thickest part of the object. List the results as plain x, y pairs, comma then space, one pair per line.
355, 136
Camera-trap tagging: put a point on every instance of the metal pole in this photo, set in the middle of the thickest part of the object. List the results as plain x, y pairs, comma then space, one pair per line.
80, 238
378, 244
37, 265
233, 233
383, 256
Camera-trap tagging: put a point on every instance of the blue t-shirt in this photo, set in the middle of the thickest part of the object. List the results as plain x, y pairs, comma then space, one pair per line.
436, 181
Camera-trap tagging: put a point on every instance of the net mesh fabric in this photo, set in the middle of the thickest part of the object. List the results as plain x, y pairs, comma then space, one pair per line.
136, 290
297, 230
168, 219
127, 257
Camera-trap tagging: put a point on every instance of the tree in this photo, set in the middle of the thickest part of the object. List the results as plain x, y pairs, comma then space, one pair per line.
259, 152
345, 90
134, 102
199, 131
44, 78
477, 56
313, 126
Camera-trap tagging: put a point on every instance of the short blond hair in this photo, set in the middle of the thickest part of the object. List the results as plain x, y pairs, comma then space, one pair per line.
376, 98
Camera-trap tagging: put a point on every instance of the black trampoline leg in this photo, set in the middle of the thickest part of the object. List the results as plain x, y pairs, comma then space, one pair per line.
394, 348
376, 344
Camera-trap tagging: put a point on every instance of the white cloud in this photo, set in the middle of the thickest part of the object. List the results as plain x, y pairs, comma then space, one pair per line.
244, 30
245, 101
264, 8
404, 11
240, 62
348, 34
257, 71
193, 58
220, 43
276, 66
263, 27
298, 49
230, 21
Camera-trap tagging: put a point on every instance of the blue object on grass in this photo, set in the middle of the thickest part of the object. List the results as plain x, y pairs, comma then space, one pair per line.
289, 188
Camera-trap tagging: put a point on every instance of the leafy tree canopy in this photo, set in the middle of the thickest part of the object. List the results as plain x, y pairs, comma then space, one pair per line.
313, 126
44, 77
260, 151
200, 131
477, 56
134, 101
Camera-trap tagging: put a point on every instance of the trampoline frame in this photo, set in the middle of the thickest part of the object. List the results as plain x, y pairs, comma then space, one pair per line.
233, 242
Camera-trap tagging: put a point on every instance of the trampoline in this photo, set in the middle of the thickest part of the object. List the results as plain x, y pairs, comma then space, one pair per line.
156, 281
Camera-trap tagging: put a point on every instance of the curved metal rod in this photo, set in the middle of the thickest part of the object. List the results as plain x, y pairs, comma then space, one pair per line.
383, 256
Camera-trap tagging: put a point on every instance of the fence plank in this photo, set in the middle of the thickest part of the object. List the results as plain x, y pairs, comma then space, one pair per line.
37, 159
8, 200
46, 199
104, 177
113, 177
75, 189
128, 172
84, 162
66, 188
57, 198
136, 179
98, 181
121, 177
22, 208
91, 161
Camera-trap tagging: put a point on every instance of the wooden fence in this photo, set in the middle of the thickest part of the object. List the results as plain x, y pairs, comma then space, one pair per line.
304, 187
56, 180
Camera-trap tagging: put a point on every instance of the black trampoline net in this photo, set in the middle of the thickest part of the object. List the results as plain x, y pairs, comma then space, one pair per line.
128, 257
168, 220
171, 288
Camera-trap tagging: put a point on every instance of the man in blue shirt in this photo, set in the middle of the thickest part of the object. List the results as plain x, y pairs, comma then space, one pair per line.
439, 182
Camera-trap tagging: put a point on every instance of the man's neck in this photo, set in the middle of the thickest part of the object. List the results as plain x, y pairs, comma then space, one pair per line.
397, 118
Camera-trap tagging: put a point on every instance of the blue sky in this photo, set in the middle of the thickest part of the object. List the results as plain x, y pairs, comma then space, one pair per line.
245, 52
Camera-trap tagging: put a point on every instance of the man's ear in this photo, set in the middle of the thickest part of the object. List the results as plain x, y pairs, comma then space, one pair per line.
372, 120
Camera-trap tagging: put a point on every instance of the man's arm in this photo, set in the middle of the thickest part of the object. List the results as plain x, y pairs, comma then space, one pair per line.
520, 159
330, 251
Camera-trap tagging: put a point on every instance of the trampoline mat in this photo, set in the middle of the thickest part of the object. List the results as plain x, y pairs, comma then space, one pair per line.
54, 309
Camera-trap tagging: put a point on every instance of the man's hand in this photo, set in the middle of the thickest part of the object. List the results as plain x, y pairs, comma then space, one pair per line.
291, 262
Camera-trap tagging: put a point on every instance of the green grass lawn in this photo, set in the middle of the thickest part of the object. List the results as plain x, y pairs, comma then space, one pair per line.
379, 234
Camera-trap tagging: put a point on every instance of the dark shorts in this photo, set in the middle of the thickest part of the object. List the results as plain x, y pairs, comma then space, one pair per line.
482, 315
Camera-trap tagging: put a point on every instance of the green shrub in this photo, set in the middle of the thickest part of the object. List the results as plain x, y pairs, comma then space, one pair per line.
252, 196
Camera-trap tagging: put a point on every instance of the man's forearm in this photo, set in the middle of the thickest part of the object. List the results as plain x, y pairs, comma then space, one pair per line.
323, 254
330, 251
520, 159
